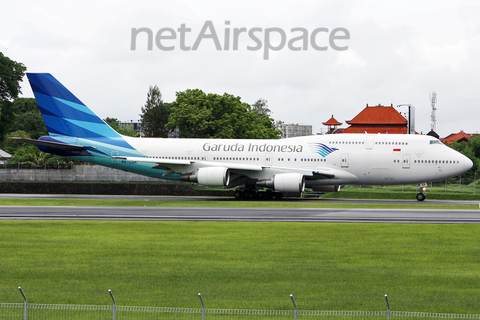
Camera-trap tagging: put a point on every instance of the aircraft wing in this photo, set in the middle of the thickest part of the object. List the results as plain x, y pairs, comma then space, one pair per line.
174, 162
313, 174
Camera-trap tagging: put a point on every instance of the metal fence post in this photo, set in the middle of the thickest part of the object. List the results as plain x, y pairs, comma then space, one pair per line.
203, 306
295, 306
388, 308
114, 305
474, 181
25, 303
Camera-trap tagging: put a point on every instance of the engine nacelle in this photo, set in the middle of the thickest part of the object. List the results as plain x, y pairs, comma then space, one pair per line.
209, 176
326, 189
285, 182
289, 182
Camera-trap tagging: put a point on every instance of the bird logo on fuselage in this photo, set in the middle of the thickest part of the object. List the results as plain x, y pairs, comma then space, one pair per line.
321, 149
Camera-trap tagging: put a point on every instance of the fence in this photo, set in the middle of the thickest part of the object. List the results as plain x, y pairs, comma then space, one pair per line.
69, 172
62, 311
460, 184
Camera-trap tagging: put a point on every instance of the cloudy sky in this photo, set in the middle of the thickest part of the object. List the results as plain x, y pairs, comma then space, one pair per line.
399, 52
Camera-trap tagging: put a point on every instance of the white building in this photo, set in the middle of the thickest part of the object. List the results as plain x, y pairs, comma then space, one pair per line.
290, 130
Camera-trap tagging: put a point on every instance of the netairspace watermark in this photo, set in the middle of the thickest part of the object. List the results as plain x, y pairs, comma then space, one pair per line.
268, 39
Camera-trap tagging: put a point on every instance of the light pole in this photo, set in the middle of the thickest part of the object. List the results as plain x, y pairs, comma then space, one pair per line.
411, 117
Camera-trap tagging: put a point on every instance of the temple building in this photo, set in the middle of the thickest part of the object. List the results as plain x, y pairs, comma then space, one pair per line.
332, 124
378, 119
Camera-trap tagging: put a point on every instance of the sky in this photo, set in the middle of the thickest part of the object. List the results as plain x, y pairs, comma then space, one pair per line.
352, 53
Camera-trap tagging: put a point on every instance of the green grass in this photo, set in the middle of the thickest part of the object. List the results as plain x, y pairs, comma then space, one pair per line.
363, 193
327, 266
408, 192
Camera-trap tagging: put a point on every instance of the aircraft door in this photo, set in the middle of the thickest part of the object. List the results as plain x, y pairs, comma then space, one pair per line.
344, 160
115, 154
406, 161
370, 142
204, 156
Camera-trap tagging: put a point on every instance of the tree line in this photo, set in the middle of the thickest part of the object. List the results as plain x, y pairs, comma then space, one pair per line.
197, 114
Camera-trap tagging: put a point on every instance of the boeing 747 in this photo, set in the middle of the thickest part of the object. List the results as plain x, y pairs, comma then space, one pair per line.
256, 168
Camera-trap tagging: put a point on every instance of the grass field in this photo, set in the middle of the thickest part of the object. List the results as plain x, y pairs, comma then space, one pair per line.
243, 265
437, 190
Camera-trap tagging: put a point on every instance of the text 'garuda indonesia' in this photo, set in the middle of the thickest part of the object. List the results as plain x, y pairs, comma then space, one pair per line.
270, 39
234, 147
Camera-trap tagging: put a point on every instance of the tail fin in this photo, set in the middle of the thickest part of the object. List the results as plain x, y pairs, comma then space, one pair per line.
63, 113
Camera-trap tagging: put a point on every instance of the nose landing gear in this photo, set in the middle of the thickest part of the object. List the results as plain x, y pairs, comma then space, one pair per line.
422, 194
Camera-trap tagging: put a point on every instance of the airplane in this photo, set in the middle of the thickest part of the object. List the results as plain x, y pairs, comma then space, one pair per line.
256, 168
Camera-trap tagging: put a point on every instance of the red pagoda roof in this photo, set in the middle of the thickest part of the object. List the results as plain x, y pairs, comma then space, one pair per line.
378, 115
332, 122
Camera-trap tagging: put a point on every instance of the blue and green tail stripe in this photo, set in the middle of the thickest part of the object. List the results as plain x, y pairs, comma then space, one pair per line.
66, 116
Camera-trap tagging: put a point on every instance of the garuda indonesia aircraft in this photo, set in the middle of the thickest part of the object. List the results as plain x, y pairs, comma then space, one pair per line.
258, 168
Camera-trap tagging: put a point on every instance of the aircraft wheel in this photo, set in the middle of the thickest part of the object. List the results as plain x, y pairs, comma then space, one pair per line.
421, 196
278, 196
249, 195
269, 194
238, 194
260, 195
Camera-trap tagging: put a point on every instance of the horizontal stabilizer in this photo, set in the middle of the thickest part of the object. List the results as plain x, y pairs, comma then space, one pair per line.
54, 145
155, 160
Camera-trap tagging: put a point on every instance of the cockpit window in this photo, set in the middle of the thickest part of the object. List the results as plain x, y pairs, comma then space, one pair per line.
435, 142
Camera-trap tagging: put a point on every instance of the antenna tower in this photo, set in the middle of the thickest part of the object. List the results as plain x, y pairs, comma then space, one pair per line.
433, 122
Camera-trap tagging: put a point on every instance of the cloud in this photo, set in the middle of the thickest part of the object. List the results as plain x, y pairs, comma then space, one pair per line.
398, 52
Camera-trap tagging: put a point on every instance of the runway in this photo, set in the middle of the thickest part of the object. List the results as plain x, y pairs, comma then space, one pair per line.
226, 199
237, 214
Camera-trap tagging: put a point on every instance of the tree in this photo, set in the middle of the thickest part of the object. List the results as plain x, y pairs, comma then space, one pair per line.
30, 154
260, 107
470, 149
190, 114
155, 114
27, 117
114, 124
11, 74
201, 115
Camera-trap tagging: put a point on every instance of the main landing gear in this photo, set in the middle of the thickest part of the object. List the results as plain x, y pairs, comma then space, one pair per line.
256, 194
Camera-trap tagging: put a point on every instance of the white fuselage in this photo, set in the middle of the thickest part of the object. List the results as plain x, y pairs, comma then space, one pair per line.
366, 159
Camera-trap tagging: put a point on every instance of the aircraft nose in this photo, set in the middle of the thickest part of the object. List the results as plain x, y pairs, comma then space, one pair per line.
468, 163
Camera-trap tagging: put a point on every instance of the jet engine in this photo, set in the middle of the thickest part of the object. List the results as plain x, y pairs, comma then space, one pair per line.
209, 176
284, 182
